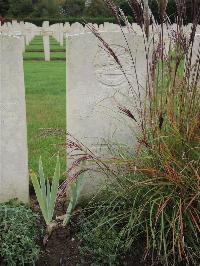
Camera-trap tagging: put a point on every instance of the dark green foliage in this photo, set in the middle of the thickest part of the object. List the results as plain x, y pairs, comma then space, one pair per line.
74, 7
126, 8
20, 7
17, 234
4, 6
171, 10
30, 8
64, 10
172, 13
98, 8
45, 8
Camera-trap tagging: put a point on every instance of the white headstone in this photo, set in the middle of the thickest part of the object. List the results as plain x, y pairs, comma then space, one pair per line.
96, 87
46, 40
14, 182
101, 27
195, 59
136, 29
96, 27
61, 32
88, 27
66, 28
76, 28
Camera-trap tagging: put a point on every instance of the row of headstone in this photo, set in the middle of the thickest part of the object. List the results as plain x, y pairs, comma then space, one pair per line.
97, 87
60, 30
27, 31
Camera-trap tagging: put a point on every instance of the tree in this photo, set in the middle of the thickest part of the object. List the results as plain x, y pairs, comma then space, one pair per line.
20, 8
74, 7
52, 7
98, 8
4, 6
45, 8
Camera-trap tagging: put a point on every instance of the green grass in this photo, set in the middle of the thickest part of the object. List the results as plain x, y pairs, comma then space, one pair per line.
39, 46
35, 55
35, 51
46, 108
40, 55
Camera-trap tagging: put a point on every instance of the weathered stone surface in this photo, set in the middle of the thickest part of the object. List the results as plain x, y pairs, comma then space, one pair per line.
97, 86
55, 29
195, 49
13, 137
61, 33
76, 28
46, 44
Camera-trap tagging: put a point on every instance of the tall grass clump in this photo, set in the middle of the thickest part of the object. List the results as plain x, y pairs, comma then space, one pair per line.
152, 203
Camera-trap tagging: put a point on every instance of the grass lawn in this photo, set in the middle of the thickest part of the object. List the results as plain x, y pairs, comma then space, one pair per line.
46, 105
38, 55
34, 51
38, 41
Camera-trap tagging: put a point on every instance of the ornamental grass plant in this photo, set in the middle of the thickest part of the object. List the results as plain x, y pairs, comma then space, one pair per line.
152, 205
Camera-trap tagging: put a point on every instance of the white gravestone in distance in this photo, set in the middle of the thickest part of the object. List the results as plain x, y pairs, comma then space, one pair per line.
76, 28
195, 59
96, 87
61, 32
46, 44
66, 29
14, 182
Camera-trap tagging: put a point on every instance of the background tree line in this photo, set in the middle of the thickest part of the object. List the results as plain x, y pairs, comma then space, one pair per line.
64, 9
52, 8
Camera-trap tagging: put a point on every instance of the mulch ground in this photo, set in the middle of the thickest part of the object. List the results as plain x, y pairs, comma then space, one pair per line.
62, 248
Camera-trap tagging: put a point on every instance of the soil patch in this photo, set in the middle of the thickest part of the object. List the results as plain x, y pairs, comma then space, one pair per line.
62, 248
